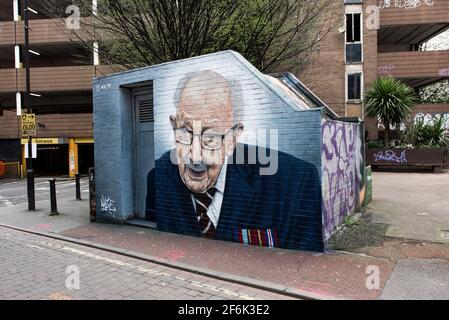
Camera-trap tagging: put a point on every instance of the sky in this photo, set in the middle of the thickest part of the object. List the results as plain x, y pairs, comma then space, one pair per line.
440, 42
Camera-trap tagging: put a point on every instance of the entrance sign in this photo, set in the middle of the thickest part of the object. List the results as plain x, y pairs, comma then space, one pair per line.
43, 141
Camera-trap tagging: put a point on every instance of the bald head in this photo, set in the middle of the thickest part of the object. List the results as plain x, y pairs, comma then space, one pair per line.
206, 96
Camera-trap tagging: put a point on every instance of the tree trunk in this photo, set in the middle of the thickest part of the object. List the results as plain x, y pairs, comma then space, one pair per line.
387, 135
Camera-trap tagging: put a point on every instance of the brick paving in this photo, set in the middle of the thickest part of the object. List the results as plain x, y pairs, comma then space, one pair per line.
34, 267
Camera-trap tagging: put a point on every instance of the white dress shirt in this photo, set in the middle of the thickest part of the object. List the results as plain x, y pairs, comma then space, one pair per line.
213, 212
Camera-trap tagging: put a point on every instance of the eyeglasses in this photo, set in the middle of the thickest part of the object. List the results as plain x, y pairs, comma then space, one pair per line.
209, 140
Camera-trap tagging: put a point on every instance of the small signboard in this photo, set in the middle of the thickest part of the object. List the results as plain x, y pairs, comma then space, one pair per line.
28, 124
44, 141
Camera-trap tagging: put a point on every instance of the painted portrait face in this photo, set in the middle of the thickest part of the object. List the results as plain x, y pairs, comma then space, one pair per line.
205, 133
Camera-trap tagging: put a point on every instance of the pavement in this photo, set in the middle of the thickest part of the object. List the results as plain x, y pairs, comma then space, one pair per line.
330, 275
414, 279
62, 271
415, 205
13, 195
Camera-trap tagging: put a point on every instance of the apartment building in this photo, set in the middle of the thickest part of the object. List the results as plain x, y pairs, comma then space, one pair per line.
367, 39
61, 84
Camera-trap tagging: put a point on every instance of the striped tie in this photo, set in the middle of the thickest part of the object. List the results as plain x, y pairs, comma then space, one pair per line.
203, 201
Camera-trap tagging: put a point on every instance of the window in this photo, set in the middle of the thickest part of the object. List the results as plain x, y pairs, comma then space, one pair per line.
353, 30
353, 37
354, 86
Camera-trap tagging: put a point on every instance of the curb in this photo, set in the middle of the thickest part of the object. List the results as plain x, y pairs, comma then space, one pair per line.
254, 283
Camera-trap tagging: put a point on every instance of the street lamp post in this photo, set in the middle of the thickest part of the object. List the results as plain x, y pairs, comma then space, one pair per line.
30, 171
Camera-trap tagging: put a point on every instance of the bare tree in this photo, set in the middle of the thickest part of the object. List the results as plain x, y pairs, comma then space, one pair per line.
271, 34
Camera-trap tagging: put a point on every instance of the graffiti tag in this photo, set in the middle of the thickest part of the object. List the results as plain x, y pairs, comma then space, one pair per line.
342, 161
407, 4
443, 72
107, 205
385, 69
390, 156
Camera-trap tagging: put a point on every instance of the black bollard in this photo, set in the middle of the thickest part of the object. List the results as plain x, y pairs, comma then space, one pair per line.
53, 204
78, 186
92, 204
30, 190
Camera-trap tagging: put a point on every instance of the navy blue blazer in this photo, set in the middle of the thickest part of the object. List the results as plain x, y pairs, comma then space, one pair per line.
280, 210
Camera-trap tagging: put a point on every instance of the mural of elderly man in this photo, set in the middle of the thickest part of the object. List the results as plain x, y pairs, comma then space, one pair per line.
202, 187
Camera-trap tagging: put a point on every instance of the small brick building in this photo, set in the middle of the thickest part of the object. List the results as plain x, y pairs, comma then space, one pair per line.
209, 146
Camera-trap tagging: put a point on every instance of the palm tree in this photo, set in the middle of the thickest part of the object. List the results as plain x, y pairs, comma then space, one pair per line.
389, 100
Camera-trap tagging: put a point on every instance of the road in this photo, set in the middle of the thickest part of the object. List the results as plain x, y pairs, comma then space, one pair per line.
38, 267
14, 192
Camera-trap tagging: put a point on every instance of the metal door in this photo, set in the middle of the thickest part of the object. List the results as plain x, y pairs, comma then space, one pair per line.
144, 144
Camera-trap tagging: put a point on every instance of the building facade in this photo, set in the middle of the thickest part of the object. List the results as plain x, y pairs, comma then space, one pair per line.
373, 38
366, 39
62, 70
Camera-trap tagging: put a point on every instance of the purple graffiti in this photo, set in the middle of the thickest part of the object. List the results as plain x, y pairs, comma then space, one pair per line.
385, 69
443, 72
341, 160
390, 156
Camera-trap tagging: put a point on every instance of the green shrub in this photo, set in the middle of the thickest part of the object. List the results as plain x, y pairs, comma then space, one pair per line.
389, 100
426, 135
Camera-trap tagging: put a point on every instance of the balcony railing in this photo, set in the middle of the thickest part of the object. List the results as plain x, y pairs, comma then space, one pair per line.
65, 125
45, 31
51, 125
53, 79
403, 12
416, 64
431, 109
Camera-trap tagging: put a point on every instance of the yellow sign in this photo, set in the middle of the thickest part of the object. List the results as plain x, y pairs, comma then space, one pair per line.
84, 140
42, 141
28, 124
